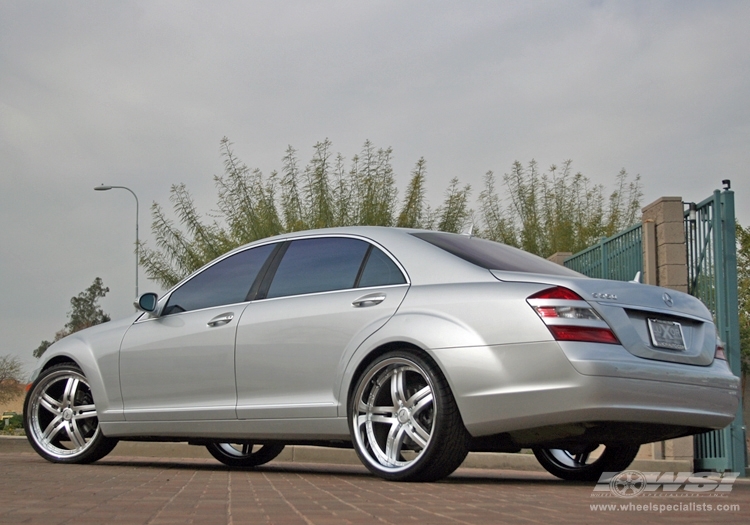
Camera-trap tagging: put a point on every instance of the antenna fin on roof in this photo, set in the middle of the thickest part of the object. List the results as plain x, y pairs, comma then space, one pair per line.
470, 232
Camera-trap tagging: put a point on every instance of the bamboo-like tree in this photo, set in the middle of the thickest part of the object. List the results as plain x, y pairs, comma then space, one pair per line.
412, 211
539, 212
557, 210
455, 212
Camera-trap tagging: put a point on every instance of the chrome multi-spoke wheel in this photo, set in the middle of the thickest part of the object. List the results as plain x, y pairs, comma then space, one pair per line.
61, 420
579, 465
245, 454
404, 421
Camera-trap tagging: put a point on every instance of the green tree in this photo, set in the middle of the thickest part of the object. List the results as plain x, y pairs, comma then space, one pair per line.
743, 294
455, 212
85, 312
557, 210
412, 211
11, 377
540, 212
372, 175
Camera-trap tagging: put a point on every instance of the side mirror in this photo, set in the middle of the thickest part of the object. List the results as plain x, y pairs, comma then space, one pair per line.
147, 302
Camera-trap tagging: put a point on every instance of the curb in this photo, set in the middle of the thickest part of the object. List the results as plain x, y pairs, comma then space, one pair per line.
338, 456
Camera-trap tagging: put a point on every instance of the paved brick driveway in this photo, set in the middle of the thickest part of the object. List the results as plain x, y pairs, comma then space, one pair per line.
137, 490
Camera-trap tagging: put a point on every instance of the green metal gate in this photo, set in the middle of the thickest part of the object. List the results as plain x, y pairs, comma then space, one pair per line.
712, 277
618, 257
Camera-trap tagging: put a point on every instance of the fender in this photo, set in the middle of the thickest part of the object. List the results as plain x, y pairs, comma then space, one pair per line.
101, 366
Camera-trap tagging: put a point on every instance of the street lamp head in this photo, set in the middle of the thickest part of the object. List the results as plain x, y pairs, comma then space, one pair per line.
103, 188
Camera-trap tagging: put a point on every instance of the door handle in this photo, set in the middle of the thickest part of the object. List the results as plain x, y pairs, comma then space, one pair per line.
221, 319
369, 300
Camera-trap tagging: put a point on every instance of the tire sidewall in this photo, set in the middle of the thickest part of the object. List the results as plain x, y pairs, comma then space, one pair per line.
266, 453
614, 458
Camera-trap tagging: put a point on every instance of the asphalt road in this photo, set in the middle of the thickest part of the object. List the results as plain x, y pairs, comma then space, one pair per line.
141, 490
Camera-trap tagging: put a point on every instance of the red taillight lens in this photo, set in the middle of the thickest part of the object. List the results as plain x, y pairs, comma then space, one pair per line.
585, 334
720, 350
557, 292
569, 317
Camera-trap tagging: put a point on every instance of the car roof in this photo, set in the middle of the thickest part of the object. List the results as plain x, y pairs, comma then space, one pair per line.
423, 262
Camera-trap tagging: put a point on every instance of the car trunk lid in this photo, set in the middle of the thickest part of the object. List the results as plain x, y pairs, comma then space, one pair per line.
650, 322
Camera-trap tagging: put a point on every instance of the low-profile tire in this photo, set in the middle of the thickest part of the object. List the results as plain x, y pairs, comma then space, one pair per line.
60, 417
577, 467
244, 454
404, 421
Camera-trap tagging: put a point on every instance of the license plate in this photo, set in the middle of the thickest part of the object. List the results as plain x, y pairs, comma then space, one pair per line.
666, 334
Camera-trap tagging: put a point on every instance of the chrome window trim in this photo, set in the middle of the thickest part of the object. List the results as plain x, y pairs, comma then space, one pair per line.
165, 298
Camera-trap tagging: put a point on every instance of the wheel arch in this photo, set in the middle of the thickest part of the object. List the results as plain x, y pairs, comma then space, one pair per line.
59, 360
371, 356
375, 353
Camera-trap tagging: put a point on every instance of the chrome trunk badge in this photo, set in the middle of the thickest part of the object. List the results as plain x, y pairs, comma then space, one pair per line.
667, 299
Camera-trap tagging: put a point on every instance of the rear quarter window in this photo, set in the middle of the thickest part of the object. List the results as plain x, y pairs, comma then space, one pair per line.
493, 255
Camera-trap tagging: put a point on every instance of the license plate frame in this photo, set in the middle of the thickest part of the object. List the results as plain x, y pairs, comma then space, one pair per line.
667, 334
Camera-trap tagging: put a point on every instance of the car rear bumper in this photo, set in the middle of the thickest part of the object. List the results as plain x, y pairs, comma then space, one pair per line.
520, 387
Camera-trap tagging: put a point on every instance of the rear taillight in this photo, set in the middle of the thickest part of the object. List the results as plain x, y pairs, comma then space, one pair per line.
720, 349
569, 318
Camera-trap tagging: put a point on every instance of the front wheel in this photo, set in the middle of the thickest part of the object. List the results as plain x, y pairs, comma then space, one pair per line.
579, 466
244, 454
60, 418
404, 422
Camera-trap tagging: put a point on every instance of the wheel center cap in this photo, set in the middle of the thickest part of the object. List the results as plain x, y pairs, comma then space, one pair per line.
67, 414
403, 415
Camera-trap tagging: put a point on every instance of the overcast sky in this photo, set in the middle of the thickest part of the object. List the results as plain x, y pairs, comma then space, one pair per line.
139, 94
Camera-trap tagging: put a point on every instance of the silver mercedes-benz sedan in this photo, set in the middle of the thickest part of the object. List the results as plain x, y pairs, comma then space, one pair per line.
413, 347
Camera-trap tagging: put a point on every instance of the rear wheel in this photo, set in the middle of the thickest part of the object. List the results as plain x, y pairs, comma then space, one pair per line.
244, 454
404, 422
60, 417
579, 466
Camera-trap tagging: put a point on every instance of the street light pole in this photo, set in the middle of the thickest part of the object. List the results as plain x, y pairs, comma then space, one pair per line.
137, 243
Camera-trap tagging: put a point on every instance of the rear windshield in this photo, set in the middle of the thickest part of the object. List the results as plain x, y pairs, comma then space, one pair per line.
493, 255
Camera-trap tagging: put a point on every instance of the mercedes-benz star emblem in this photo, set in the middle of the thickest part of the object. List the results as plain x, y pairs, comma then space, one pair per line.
667, 299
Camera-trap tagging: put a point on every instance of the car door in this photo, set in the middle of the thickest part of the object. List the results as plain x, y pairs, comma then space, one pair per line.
326, 296
180, 365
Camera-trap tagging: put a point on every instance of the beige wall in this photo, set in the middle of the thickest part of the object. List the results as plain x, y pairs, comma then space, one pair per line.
15, 405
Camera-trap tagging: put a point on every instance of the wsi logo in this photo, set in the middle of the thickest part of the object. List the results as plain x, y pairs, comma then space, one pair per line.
632, 483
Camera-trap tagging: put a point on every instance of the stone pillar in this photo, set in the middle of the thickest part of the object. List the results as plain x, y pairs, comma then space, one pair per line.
667, 217
559, 257
665, 264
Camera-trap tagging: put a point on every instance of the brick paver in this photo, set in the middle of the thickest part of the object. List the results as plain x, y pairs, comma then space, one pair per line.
133, 490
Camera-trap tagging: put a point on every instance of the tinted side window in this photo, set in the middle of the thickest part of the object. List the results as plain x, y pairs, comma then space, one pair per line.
380, 270
318, 265
226, 282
